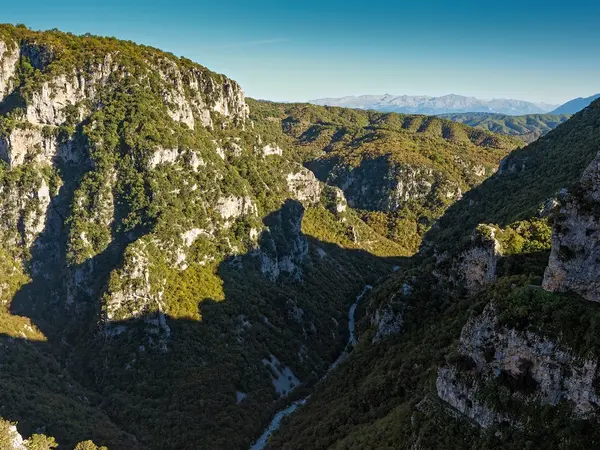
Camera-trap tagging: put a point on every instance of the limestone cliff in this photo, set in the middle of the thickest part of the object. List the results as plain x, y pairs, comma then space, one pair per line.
574, 264
283, 246
155, 235
526, 364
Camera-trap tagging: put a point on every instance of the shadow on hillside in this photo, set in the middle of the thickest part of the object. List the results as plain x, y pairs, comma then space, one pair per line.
87, 384
526, 179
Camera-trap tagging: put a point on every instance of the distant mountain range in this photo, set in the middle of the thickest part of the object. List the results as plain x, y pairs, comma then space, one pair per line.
575, 105
423, 104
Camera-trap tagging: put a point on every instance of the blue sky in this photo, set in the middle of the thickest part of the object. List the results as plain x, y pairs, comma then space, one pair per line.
288, 50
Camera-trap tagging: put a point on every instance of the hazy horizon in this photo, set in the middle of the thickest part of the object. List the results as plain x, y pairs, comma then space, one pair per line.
326, 50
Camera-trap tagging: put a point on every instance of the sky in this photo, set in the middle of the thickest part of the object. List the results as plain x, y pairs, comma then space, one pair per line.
542, 51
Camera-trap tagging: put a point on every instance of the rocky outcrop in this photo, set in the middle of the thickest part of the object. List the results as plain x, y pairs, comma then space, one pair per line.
388, 318
574, 264
30, 143
194, 161
388, 322
24, 205
179, 107
304, 186
284, 380
193, 94
134, 294
130, 294
9, 59
163, 156
335, 200
272, 149
283, 247
11, 437
462, 396
527, 364
190, 236
225, 97
47, 105
536, 364
232, 207
475, 267
34, 220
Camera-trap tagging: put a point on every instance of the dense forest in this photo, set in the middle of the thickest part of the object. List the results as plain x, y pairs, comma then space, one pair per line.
392, 393
527, 128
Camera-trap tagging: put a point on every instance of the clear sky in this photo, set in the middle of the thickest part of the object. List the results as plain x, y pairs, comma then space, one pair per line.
299, 50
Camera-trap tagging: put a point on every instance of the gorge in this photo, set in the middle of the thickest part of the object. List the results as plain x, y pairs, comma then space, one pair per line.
183, 267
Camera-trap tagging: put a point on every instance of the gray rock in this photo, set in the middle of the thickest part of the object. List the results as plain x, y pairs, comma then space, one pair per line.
574, 264
475, 267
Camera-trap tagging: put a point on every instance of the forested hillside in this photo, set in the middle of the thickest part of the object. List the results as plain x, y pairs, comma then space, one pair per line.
399, 171
172, 273
167, 269
487, 338
527, 128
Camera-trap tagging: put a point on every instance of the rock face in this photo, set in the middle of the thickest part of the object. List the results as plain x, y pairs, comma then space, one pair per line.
163, 156
380, 185
187, 105
463, 398
34, 144
272, 149
232, 207
527, 363
9, 57
191, 93
574, 263
335, 200
304, 186
283, 247
24, 206
388, 322
475, 268
133, 294
537, 364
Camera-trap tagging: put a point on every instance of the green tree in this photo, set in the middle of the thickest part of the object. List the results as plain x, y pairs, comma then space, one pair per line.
89, 445
40, 442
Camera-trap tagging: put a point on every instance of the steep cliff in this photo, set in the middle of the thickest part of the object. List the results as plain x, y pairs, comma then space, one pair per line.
157, 249
574, 264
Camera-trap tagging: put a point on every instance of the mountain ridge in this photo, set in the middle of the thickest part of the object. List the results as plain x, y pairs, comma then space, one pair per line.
575, 105
423, 104
528, 127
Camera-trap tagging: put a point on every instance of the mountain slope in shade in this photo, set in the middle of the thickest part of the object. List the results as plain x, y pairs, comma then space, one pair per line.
528, 128
440, 367
170, 272
575, 105
423, 104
